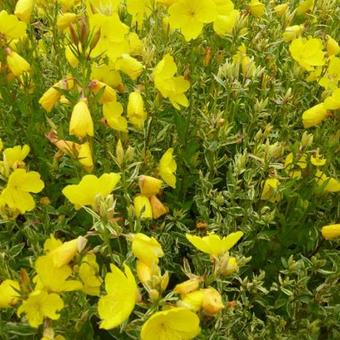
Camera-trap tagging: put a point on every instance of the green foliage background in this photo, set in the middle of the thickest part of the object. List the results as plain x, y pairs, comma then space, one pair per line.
288, 283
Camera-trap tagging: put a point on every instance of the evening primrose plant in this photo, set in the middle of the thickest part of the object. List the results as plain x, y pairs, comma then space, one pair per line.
169, 169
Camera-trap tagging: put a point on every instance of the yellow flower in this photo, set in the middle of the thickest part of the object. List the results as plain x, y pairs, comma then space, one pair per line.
65, 252
65, 20
17, 192
213, 244
270, 190
11, 27
226, 17
129, 65
167, 168
257, 8
85, 156
17, 64
52, 243
333, 102
40, 305
81, 123
143, 207
14, 157
305, 6
52, 95
88, 273
292, 32
190, 16
314, 116
113, 115
331, 232
332, 77
175, 323
91, 188
146, 249
327, 184
149, 186
332, 46
139, 10
23, 10
212, 301
50, 98
135, 110
113, 33
9, 293
52, 278
145, 272
307, 52
170, 86
116, 307
108, 94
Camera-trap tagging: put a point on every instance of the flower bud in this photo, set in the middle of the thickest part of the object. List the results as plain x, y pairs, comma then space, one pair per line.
231, 266
332, 46
17, 64
108, 93
149, 186
256, 8
85, 156
188, 286
64, 254
192, 300
331, 232
164, 281
130, 66
81, 123
135, 110
144, 272
120, 153
281, 10
65, 20
23, 10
